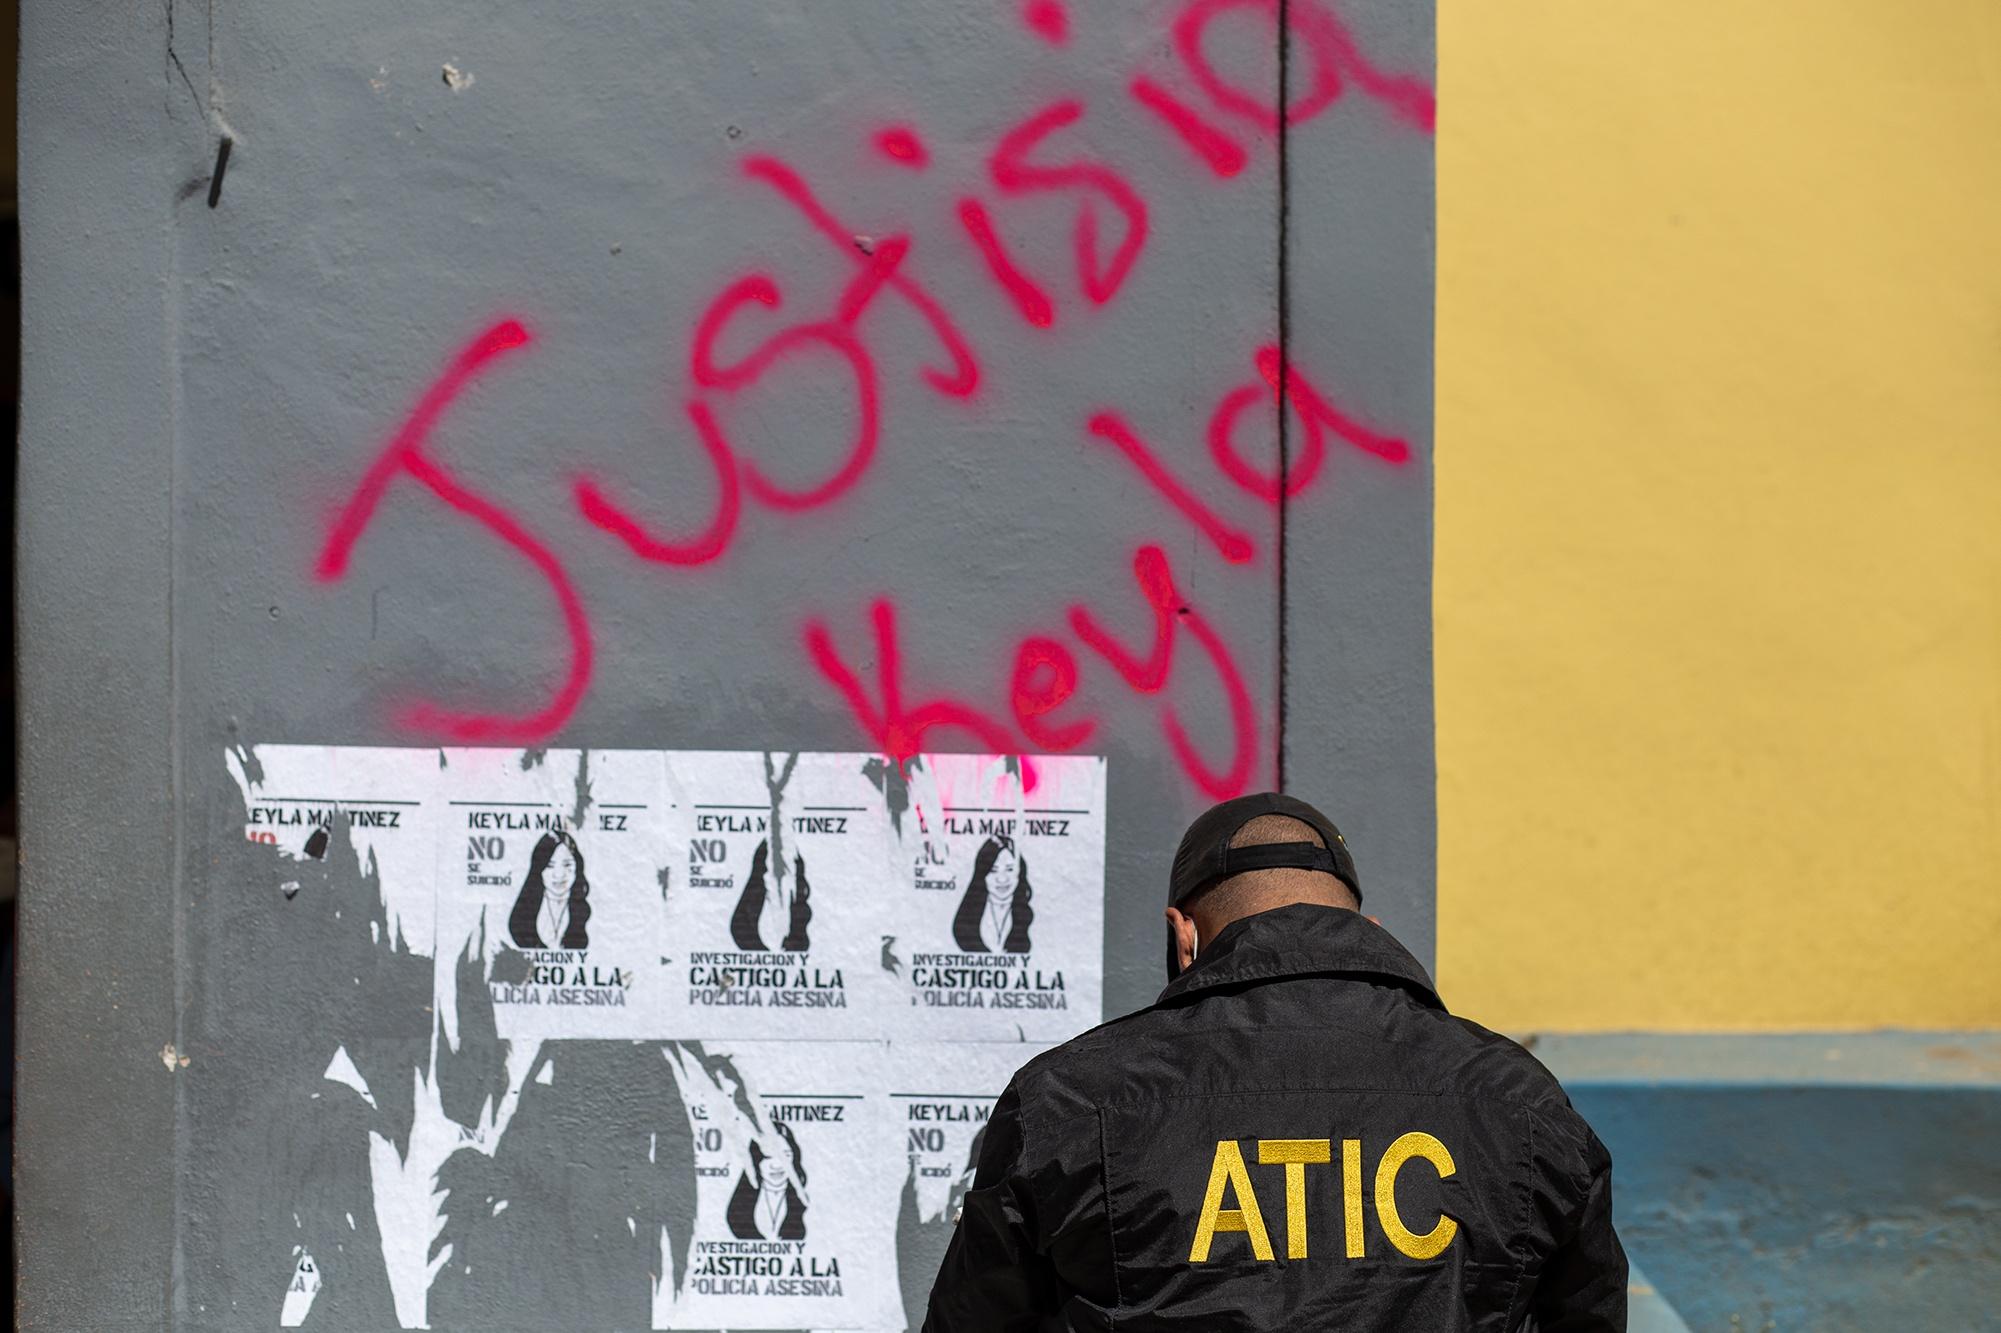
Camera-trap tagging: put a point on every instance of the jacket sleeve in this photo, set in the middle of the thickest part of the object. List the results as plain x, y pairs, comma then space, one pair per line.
995, 1276
1582, 1288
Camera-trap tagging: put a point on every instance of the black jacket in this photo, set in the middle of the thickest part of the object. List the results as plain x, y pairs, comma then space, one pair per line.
1295, 1136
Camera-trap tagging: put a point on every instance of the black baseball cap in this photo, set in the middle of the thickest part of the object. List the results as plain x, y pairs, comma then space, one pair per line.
1205, 856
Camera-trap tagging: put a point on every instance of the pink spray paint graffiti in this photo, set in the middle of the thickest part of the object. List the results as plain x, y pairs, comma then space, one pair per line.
747, 336
406, 454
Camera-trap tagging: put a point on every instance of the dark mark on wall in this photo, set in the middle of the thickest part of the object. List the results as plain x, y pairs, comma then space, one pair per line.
246, 757
583, 805
470, 1066
890, 780
221, 165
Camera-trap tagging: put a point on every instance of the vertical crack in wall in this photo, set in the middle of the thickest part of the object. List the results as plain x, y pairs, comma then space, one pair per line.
174, 59
1284, 369
175, 1302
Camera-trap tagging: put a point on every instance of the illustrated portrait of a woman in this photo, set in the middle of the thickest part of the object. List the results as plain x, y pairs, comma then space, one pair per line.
553, 908
770, 1207
995, 915
763, 917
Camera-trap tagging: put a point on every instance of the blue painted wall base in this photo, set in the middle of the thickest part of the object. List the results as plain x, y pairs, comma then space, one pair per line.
1803, 1182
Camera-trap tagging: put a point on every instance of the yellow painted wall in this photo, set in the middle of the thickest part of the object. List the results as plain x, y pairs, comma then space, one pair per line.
1719, 513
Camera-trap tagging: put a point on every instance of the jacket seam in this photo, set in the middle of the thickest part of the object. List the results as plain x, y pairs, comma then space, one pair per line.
1528, 1212
1496, 1100
1022, 1157
1111, 1231
1266, 973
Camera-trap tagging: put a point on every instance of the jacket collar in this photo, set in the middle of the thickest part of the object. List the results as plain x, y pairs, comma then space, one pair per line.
1301, 940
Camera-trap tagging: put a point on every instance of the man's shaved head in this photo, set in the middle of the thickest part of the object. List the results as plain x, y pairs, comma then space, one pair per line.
1256, 891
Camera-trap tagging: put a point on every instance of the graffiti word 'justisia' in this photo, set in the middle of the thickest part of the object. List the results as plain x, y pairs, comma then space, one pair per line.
751, 329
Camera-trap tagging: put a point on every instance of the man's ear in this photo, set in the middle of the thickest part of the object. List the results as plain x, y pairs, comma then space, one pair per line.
1181, 929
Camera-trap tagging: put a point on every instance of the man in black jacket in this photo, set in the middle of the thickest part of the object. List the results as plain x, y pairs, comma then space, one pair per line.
1295, 1136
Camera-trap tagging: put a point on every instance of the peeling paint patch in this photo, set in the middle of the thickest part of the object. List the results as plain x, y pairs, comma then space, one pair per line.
247, 763
583, 806
893, 782
341, 1069
300, 1292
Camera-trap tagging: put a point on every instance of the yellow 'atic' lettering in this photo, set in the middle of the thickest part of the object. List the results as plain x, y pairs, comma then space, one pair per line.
1351, 1193
1433, 1242
1228, 1169
1296, 1154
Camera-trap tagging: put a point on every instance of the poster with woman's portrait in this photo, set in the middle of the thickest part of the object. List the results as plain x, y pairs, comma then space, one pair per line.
1001, 889
782, 905
550, 865
795, 1221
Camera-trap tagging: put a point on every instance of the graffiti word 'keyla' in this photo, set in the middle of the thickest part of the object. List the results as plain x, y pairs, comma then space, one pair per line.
1228, 1173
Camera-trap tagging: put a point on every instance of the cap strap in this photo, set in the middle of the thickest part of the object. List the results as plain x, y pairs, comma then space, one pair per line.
1279, 855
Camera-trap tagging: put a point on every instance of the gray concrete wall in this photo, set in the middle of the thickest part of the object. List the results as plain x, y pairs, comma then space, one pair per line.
214, 366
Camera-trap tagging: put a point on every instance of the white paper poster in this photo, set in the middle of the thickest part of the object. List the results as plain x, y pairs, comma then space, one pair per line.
556, 865
823, 902
940, 1097
795, 1218
781, 919
1003, 899
843, 961
384, 801
814, 1160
